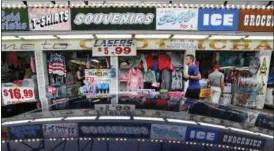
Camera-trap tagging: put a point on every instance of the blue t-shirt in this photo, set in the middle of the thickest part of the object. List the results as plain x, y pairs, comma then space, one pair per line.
193, 71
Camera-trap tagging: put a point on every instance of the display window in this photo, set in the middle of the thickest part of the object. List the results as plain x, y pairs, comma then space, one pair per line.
77, 74
19, 81
152, 79
236, 70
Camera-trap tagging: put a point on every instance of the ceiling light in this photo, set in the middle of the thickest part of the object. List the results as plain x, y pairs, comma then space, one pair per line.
81, 118
213, 125
114, 118
241, 130
190, 37
181, 121
158, 36
48, 119
75, 36
112, 36
223, 37
148, 118
16, 122
10, 38
38, 37
259, 38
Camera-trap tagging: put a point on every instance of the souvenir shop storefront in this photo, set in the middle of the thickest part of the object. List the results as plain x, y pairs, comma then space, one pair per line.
124, 67
147, 67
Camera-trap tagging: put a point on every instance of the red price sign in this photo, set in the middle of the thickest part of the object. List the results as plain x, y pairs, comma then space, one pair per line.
114, 48
117, 51
14, 95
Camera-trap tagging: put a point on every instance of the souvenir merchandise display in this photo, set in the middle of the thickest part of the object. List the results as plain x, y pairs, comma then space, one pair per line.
19, 82
160, 73
97, 81
241, 88
67, 76
270, 85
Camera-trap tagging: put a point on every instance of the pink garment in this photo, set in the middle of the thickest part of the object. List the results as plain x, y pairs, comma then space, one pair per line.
32, 65
135, 80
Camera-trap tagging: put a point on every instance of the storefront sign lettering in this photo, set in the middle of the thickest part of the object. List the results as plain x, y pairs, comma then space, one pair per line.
202, 135
256, 20
114, 48
114, 130
113, 43
241, 140
60, 130
49, 18
234, 45
218, 19
25, 131
113, 18
176, 19
14, 19
173, 132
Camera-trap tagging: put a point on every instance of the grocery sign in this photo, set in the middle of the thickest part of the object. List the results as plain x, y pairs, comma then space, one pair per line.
218, 19
176, 19
49, 19
113, 18
256, 20
14, 20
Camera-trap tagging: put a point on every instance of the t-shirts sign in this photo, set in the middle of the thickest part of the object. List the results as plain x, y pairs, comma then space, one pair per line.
176, 19
14, 20
49, 18
218, 19
60, 130
113, 18
256, 20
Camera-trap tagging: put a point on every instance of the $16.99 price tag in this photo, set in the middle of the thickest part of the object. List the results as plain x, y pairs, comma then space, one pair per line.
14, 95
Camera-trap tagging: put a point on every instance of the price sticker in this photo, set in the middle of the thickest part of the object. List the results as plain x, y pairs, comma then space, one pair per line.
15, 95
114, 48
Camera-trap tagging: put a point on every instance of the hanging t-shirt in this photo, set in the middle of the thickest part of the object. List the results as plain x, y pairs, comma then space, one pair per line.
177, 80
164, 62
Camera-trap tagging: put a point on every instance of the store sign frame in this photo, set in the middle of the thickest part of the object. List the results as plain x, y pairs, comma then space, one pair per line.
113, 18
14, 20
142, 44
177, 19
218, 19
260, 20
49, 19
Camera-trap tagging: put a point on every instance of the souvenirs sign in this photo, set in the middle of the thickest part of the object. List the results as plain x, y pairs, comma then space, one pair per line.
49, 19
115, 47
256, 20
132, 130
176, 19
113, 18
14, 20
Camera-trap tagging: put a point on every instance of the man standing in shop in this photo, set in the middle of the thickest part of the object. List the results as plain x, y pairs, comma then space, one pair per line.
216, 82
193, 90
